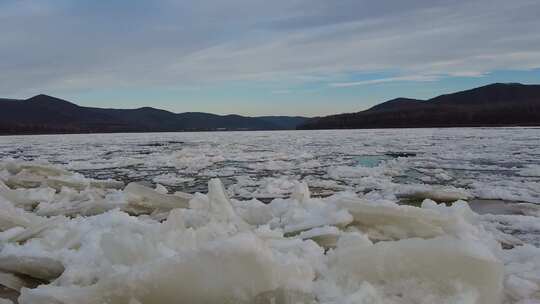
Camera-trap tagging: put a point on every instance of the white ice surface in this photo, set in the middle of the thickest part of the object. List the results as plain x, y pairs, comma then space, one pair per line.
95, 240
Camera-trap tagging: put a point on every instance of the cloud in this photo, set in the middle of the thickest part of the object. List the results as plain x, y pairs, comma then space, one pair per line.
420, 78
281, 92
77, 45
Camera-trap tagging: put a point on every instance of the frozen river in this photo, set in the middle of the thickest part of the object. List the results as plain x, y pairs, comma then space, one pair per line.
502, 163
336, 216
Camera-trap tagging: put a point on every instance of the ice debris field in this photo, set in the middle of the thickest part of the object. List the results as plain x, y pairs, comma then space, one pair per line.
363, 216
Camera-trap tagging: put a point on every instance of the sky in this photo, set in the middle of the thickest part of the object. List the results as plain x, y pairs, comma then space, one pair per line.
261, 57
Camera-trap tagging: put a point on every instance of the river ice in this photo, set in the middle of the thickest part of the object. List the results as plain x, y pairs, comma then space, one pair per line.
348, 216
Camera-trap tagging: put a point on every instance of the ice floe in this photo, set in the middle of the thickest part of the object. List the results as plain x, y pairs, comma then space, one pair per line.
94, 242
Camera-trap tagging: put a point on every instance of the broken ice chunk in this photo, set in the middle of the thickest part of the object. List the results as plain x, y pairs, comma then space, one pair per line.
11, 217
91, 201
284, 296
25, 198
30, 177
233, 270
144, 199
12, 282
36, 229
301, 192
326, 237
386, 222
441, 263
106, 184
43, 170
220, 205
436, 193
43, 268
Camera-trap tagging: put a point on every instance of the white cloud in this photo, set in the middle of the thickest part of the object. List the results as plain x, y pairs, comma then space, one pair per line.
281, 92
166, 43
420, 78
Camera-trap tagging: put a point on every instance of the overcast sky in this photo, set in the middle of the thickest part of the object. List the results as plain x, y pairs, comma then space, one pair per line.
254, 57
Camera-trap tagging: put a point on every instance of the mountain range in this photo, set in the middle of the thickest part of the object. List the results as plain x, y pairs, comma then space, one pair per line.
498, 104
43, 114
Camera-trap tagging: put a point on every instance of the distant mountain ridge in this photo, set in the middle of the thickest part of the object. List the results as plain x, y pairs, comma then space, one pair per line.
498, 104
44, 114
